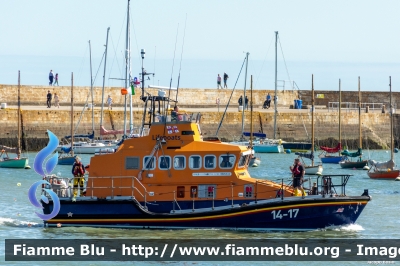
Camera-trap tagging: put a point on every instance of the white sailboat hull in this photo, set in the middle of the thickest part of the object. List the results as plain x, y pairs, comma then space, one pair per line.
86, 148
314, 170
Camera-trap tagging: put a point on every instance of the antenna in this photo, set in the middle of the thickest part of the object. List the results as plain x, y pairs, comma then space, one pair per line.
180, 64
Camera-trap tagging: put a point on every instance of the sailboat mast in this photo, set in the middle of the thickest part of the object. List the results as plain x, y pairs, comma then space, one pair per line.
91, 84
276, 81
19, 116
312, 118
359, 114
391, 120
128, 74
251, 111
126, 65
104, 81
72, 113
244, 95
340, 113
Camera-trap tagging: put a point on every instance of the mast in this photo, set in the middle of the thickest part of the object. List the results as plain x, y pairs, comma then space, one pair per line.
244, 95
340, 114
391, 120
128, 73
251, 112
359, 114
126, 65
312, 118
19, 117
72, 114
91, 85
276, 80
104, 80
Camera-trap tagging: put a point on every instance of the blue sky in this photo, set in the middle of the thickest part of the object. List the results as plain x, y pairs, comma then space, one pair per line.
39, 35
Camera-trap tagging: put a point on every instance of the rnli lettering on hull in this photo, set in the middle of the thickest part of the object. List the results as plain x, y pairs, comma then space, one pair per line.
155, 137
212, 174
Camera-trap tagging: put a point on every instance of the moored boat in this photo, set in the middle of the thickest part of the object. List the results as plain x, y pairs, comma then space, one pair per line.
346, 161
311, 169
296, 146
327, 156
265, 146
18, 161
386, 170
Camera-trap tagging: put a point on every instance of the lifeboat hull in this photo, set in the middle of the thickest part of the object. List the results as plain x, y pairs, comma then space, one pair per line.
288, 214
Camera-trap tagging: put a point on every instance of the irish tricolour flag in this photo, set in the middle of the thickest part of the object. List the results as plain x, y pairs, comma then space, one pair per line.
131, 89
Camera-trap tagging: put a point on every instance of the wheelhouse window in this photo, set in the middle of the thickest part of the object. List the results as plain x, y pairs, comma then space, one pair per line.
131, 163
179, 162
209, 161
195, 162
149, 162
243, 160
164, 162
227, 161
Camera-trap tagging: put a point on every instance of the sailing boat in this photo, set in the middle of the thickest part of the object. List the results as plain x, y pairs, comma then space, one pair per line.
254, 160
326, 156
311, 169
84, 147
386, 170
69, 158
17, 162
103, 131
346, 162
268, 146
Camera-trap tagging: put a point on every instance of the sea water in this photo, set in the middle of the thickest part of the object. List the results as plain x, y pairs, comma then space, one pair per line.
379, 220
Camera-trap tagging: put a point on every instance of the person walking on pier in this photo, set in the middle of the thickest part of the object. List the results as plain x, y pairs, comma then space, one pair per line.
268, 101
246, 103
240, 101
225, 80
56, 80
109, 102
56, 101
276, 100
219, 82
49, 97
51, 77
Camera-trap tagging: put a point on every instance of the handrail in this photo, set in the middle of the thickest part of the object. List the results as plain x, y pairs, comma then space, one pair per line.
134, 187
333, 106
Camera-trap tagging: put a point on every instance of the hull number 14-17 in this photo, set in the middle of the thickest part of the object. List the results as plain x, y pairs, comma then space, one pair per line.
291, 213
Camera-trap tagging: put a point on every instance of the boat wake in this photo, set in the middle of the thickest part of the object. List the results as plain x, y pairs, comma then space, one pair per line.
346, 228
17, 223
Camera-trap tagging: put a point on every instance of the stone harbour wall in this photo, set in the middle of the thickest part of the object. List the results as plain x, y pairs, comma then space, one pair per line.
290, 126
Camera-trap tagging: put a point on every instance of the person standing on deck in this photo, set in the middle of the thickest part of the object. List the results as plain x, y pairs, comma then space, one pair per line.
78, 170
298, 175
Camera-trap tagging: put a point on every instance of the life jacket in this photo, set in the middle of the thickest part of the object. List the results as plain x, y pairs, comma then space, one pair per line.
78, 169
296, 170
